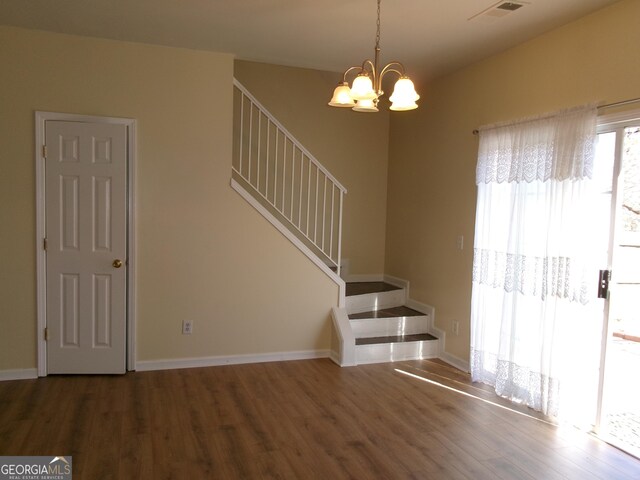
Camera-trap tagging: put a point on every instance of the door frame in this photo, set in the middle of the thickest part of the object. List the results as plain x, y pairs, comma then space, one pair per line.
41, 118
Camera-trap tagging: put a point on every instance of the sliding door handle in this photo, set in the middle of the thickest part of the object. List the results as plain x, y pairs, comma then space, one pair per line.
603, 283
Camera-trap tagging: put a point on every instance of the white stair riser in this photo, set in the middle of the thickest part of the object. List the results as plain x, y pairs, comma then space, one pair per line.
375, 301
385, 327
392, 352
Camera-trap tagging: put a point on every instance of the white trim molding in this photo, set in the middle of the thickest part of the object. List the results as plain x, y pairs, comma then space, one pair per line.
343, 350
455, 361
198, 362
20, 374
398, 282
440, 334
40, 121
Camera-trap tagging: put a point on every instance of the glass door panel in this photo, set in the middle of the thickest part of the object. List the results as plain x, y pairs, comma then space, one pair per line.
620, 408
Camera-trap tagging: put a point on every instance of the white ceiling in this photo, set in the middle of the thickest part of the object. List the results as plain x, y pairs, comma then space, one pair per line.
430, 37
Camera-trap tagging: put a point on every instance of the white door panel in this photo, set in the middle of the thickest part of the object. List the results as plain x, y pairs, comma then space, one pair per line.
86, 232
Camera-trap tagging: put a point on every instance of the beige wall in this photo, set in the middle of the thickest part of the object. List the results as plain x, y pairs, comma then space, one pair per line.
352, 146
203, 253
432, 192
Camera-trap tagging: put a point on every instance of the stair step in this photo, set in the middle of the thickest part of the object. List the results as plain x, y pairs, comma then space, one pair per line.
391, 350
419, 337
389, 322
401, 311
363, 288
386, 330
368, 296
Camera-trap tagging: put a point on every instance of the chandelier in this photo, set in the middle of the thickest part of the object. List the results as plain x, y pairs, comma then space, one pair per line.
366, 88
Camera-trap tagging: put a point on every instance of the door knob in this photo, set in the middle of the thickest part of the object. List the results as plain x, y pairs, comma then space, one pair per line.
117, 263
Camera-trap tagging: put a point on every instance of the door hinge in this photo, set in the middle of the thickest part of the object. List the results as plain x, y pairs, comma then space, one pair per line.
44, 243
46, 334
44, 151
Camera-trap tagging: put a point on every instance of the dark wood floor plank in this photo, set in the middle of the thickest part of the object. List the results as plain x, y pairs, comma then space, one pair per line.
306, 419
504, 469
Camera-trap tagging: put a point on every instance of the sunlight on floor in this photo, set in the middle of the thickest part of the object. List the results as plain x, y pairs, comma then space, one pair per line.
466, 394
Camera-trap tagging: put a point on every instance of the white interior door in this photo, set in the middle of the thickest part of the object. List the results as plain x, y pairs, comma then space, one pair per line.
86, 219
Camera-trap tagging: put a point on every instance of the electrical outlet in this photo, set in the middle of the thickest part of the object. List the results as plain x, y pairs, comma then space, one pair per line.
187, 327
460, 242
455, 327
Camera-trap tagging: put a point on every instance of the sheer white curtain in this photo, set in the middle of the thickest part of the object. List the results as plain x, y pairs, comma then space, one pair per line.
534, 331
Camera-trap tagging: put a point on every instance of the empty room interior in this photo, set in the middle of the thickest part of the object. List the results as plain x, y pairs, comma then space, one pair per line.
338, 239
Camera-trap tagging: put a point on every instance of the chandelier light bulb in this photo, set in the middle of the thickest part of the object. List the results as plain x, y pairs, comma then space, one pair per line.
362, 88
367, 105
404, 95
342, 96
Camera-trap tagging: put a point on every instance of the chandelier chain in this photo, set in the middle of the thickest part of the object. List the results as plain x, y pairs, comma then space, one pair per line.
378, 27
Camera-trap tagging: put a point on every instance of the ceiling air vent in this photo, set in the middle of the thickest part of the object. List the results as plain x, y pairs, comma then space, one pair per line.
511, 6
498, 10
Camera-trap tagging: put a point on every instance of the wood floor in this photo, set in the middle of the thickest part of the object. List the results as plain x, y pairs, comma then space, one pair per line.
293, 420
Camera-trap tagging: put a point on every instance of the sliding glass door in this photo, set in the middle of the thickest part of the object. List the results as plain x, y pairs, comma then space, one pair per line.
617, 174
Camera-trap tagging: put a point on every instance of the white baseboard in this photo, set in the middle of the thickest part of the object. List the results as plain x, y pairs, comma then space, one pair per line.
171, 364
398, 282
21, 374
334, 357
363, 277
455, 361
421, 307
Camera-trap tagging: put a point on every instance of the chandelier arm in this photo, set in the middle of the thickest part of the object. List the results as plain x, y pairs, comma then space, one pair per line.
371, 65
372, 68
349, 70
391, 67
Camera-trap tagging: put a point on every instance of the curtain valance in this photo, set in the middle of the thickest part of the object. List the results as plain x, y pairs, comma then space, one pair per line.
559, 146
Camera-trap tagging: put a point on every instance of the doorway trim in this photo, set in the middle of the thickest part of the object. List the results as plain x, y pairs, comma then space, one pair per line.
41, 285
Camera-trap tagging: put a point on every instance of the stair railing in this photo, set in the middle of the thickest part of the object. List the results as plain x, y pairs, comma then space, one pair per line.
283, 174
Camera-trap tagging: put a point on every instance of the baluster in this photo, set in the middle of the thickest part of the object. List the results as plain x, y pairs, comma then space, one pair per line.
300, 196
338, 261
315, 214
250, 139
258, 153
266, 170
324, 209
293, 169
308, 199
333, 199
275, 170
284, 171
241, 129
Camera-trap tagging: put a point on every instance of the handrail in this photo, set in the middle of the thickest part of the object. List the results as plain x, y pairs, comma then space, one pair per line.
273, 119
282, 173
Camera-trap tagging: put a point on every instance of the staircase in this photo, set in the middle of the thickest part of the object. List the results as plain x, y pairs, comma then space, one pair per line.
384, 329
291, 189
274, 172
